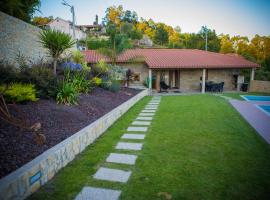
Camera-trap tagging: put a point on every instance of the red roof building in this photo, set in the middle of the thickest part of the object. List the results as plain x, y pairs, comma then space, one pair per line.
180, 68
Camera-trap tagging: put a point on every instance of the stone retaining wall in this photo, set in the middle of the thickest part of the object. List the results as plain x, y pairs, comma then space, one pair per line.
27, 179
259, 86
20, 38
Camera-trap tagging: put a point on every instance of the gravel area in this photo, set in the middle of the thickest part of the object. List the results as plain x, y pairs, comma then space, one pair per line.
58, 122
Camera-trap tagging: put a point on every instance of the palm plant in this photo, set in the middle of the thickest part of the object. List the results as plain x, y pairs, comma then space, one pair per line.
56, 42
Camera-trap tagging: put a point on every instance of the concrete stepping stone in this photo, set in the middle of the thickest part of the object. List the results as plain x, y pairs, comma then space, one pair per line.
133, 136
141, 123
144, 118
137, 128
146, 114
149, 111
95, 193
129, 146
153, 103
122, 158
150, 108
115, 175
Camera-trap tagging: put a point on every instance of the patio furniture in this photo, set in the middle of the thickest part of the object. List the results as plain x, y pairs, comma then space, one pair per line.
244, 87
163, 87
210, 86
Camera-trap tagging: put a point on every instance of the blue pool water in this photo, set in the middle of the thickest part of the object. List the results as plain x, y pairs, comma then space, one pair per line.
265, 108
256, 98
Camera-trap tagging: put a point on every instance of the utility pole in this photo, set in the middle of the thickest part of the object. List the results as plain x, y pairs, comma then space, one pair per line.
206, 35
73, 16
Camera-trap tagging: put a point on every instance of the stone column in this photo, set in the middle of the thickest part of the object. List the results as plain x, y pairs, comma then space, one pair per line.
252, 75
150, 80
203, 81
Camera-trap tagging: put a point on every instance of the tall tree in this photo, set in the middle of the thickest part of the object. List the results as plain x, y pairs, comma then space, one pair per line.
161, 35
226, 46
118, 43
21, 9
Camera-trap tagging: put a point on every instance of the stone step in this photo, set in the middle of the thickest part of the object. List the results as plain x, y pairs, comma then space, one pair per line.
122, 158
149, 111
137, 128
114, 175
95, 193
146, 114
133, 136
145, 118
129, 146
143, 123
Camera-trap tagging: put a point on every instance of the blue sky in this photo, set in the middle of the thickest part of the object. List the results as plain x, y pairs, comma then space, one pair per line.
235, 17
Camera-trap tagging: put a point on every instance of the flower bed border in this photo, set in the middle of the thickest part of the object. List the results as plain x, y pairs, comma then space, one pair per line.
31, 176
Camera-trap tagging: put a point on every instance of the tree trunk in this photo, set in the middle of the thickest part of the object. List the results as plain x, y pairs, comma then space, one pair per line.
54, 66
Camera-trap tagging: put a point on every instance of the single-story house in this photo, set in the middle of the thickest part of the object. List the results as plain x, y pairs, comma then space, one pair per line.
185, 69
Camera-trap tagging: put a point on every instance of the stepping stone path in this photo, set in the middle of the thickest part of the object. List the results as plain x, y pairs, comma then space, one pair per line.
146, 114
133, 136
144, 118
140, 124
137, 128
122, 158
115, 175
94, 193
148, 111
129, 146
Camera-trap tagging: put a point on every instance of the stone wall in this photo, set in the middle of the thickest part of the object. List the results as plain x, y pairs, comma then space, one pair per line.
27, 179
222, 75
18, 37
139, 68
190, 80
259, 86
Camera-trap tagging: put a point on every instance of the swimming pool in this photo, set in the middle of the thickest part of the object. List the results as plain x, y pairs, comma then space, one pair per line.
264, 108
255, 98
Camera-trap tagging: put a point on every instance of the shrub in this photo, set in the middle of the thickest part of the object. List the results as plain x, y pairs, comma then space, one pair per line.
67, 94
8, 73
100, 68
94, 43
115, 86
81, 83
109, 84
42, 77
18, 92
97, 81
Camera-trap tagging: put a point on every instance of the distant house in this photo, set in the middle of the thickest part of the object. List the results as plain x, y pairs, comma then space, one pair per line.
66, 27
95, 29
182, 69
146, 41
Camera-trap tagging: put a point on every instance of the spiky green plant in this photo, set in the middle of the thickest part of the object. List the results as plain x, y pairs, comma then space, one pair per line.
56, 42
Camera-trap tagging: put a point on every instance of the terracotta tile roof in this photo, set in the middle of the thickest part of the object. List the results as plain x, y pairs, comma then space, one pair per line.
177, 58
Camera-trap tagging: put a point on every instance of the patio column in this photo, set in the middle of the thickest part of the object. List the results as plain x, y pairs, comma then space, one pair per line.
157, 80
252, 74
150, 80
203, 81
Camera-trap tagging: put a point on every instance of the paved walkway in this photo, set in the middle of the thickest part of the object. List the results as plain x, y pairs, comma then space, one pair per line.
259, 120
136, 131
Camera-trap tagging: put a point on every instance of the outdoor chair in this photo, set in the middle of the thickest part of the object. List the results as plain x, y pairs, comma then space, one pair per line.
163, 87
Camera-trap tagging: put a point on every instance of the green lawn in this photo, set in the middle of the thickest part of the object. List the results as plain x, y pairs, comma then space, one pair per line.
198, 147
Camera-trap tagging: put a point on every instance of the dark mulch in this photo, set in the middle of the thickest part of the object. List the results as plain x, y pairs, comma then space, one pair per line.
18, 147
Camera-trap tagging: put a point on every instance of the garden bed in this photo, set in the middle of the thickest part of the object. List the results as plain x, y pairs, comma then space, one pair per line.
58, 123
